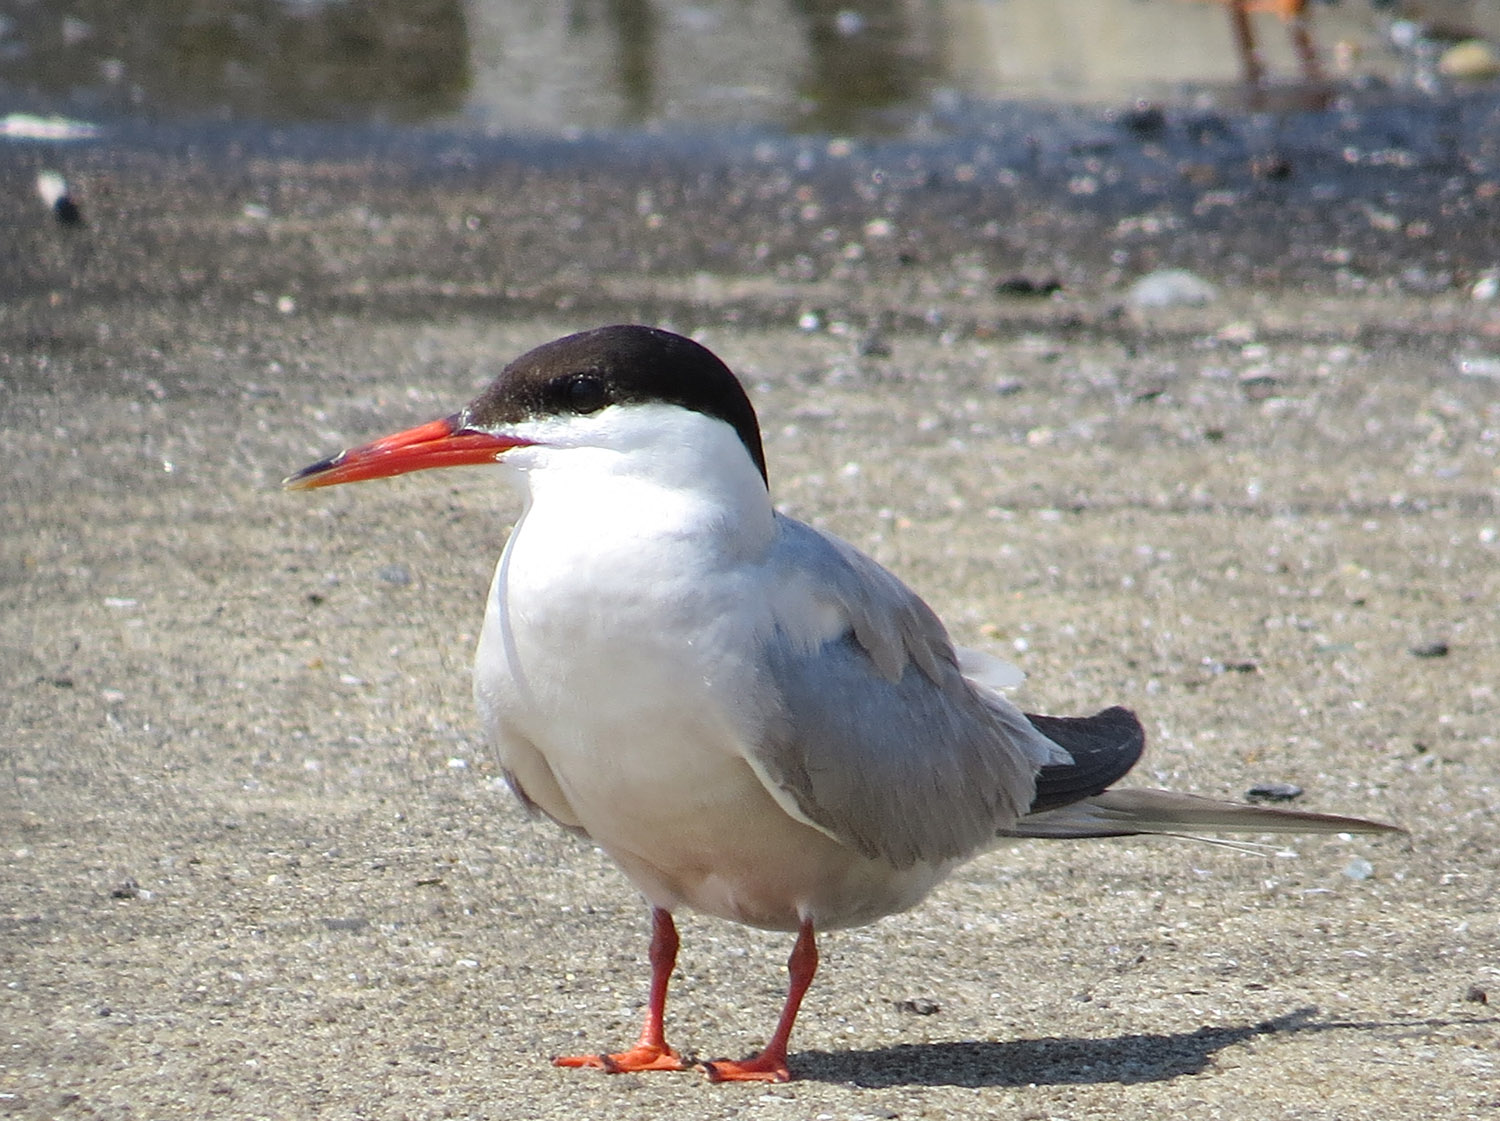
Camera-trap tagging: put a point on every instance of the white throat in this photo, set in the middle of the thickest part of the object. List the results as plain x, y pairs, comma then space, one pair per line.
641, 474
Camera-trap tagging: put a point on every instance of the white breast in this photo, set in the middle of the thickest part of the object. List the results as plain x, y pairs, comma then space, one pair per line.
617, 677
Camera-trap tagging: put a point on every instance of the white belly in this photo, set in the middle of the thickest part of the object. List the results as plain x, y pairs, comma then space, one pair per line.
628, 717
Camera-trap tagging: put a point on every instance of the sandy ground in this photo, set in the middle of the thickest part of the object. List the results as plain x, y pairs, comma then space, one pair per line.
256, 862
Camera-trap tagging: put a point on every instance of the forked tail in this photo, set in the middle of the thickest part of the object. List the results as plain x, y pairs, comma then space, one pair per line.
1075, 799
1127, 812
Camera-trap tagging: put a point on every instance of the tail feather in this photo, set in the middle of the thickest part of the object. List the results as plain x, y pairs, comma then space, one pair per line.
1101, 748
1127, 812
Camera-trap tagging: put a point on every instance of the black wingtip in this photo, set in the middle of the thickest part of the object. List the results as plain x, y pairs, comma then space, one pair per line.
1104, 747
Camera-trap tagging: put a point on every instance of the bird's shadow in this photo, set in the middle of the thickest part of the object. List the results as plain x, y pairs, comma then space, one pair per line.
1052, 1061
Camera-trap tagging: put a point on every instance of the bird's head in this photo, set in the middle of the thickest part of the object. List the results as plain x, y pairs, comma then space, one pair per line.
614, 388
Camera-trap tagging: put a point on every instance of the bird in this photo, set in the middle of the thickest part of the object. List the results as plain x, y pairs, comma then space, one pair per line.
751, 717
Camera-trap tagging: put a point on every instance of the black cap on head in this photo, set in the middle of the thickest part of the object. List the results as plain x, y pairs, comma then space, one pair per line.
620, 365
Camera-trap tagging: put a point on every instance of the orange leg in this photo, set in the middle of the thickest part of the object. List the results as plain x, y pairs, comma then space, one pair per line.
770, 1064
650, 1051
1294, 14
1307, 50
1244, 42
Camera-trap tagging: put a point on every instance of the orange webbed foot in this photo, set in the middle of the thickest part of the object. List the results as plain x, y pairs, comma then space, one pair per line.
627, 1062
762, 1068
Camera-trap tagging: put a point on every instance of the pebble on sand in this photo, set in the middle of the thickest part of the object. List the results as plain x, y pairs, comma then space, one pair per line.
1471, 60
1273, 792
1171, 288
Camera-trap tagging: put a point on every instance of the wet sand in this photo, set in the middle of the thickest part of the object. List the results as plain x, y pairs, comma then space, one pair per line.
258, 864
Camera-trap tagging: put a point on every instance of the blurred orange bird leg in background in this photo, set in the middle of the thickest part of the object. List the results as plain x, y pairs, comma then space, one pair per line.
1294, 14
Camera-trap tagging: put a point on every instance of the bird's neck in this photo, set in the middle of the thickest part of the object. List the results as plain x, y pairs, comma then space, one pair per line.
693, 483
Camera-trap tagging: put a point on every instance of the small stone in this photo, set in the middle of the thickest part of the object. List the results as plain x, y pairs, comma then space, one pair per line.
1259, 387
1479, 366
1216, 667
1027, 286
53, 189
1145, 119
1476, 995
1405, 34
75, 30
1425, 282
66, 211
918, 1006
28, 126
849, 22
1471, 60
1359, 869
1271, 166
127, 889
1171, 288
397, 574
1430, 650
1274, 792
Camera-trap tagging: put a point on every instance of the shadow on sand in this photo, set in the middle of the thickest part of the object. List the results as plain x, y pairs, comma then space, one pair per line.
1053, 1061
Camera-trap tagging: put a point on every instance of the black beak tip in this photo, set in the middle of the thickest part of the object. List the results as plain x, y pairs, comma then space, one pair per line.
298, 480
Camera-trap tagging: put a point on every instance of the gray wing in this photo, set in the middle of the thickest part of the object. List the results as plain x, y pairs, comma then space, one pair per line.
879, 740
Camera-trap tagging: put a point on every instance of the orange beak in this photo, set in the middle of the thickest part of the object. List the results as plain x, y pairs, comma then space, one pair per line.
438, 443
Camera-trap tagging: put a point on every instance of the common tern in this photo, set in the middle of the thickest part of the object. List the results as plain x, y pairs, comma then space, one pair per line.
751, 717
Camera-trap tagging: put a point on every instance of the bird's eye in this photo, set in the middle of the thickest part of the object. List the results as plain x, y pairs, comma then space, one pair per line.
584, 393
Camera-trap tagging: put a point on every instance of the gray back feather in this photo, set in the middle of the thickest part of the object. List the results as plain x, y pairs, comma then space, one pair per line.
879, 740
